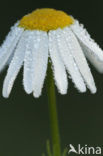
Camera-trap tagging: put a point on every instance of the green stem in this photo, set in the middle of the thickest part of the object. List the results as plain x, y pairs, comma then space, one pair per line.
53, 112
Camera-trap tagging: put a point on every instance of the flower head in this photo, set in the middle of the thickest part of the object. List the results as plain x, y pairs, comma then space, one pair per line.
48, 33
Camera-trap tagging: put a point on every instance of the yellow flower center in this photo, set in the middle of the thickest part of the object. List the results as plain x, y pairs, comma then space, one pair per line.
46, 19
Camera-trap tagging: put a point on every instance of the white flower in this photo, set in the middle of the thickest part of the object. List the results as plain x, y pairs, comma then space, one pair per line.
35, 38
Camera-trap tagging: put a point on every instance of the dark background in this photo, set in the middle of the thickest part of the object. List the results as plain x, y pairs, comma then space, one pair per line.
24, 121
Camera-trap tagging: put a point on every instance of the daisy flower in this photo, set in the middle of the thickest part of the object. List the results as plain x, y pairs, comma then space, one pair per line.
49, 34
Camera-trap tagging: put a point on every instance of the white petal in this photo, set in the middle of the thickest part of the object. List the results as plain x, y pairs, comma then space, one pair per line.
14, 67
92, 51
69, 62
31, 65
58, 66
40, 61
28, 61
9, 45
77, 53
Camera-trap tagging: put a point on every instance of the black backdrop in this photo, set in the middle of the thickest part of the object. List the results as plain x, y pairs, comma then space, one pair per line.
24, 121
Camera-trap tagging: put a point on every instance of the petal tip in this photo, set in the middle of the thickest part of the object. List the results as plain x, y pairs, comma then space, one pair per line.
27, 91
5, 95
94, 90
36, 95
63, 92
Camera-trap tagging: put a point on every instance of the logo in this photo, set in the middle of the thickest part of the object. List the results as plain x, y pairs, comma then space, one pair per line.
85, 150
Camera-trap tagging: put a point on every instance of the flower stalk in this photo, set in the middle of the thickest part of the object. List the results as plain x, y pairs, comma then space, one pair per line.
53, 112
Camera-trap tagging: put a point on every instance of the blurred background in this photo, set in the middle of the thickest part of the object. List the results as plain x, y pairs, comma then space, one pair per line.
24, 121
